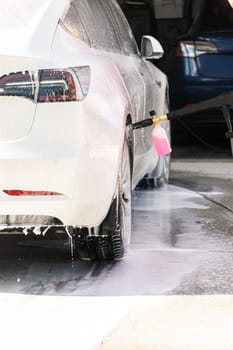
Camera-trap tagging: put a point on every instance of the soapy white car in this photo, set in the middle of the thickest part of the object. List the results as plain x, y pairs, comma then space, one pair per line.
72, 83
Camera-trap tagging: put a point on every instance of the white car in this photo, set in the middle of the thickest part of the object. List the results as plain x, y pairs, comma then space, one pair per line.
72, 83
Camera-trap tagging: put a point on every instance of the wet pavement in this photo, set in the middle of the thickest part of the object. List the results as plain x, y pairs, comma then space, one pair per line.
173, 230
180, 237
182, 247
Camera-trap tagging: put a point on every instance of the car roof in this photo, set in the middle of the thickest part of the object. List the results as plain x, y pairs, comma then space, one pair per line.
15, 13
29, 24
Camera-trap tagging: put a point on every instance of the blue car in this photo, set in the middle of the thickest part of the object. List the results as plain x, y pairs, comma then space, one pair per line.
202, 68
202, 62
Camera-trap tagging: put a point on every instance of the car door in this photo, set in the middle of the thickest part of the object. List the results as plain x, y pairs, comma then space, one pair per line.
105, 28
127, 58
141, 83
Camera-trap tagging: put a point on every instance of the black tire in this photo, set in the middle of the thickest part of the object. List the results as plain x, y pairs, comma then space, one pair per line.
117, 225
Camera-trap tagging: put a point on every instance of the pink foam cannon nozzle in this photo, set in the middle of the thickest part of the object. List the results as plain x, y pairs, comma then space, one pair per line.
159, 136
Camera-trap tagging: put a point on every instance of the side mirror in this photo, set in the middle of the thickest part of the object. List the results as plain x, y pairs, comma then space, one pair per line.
151, 49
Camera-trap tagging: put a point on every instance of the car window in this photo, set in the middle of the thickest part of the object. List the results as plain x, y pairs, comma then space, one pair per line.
73, 21
89, 20
16, 13
124, 31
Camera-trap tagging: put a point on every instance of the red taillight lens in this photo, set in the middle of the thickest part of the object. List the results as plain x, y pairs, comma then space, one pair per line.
18, 84
195, 48
56, 86
30, 193
48, 85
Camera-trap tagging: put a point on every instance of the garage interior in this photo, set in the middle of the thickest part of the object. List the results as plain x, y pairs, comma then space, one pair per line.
170, 21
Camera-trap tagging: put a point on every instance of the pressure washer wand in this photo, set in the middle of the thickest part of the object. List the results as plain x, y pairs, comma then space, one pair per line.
219, 101
223, 101
142, 124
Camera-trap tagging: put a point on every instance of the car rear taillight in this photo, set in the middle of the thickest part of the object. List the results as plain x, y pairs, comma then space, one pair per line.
19, 193
195, 48
48, 85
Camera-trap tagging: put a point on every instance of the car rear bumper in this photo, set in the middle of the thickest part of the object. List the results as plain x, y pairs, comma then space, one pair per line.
83, 190
68, 153
70, 148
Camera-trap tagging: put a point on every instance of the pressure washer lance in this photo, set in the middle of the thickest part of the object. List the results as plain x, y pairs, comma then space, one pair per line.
223, 101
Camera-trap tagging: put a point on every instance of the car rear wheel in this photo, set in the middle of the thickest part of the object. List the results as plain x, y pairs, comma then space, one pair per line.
117, 225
